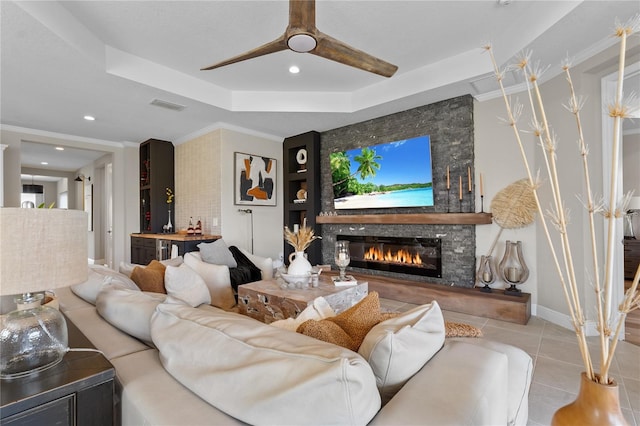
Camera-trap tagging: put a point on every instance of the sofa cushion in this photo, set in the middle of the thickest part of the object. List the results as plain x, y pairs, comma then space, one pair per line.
463, 384
127, 268
261, 374
98, 277
185, 284
128, 310
216, 277
349, 328
217, 253
398, 347
150, 396
150, 278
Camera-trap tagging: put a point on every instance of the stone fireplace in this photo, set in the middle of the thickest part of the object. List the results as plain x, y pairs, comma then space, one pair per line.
414, 256
450, 126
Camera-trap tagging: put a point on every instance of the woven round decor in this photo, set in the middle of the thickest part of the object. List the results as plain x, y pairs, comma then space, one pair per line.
514, 206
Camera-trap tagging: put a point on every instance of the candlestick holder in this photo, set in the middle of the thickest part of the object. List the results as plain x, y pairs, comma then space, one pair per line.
482, 204
460, 204
448, 197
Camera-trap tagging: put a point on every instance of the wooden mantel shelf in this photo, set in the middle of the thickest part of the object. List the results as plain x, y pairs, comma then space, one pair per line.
412, 218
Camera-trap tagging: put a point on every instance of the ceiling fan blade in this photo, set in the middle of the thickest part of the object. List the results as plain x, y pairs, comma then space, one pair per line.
302, 15
274, 46
331, 48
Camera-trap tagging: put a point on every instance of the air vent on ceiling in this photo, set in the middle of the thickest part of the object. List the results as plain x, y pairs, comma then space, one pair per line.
168, 105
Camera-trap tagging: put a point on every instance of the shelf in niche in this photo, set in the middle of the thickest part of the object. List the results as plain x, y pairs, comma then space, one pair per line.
412, 218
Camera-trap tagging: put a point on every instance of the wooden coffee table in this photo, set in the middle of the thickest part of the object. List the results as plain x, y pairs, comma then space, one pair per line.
266, 301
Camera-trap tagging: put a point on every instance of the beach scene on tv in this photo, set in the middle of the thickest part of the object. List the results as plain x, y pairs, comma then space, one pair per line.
387, 175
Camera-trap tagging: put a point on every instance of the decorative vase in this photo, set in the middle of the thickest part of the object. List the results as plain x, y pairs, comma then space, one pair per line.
512, 268
169, 224
486, 273
596, 404
299, 265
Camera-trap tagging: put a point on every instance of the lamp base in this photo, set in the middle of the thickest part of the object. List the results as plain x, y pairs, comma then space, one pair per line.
32, 339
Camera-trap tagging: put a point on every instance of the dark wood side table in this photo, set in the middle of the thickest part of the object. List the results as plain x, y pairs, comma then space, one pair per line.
80, 390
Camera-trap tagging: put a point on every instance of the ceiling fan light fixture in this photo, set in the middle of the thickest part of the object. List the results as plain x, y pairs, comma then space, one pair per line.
302, 43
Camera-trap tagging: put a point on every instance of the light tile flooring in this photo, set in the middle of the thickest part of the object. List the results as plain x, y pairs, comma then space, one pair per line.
556, 377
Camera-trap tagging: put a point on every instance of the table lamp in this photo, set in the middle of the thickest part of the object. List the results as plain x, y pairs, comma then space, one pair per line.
40, 249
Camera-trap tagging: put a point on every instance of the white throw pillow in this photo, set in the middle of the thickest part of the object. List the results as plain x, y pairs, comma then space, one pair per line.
128, 310
397, 348
185, 284
217, 253
260, 374
217, 279
97, 278
319, 309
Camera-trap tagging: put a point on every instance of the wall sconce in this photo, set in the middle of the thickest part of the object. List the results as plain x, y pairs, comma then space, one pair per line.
81, 178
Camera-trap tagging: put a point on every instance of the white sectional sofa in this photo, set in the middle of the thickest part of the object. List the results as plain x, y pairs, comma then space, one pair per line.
205, 365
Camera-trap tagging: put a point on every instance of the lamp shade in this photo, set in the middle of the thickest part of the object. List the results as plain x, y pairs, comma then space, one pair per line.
41, 249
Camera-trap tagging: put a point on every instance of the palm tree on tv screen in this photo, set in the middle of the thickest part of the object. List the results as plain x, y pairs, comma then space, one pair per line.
343, 180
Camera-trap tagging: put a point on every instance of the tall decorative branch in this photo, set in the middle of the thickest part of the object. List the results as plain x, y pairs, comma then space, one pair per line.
559, 216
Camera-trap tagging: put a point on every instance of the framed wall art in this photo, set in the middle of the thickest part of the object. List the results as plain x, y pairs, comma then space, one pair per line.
254, 180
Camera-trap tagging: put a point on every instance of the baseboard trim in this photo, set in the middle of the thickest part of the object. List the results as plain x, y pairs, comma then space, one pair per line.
564, 320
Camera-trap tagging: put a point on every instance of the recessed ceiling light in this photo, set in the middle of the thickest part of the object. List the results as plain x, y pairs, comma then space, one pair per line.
44, 163
59, 148
294, 69
89, 118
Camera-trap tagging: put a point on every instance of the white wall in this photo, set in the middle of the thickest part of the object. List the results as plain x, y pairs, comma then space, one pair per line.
267, 221
125, 178
498, 158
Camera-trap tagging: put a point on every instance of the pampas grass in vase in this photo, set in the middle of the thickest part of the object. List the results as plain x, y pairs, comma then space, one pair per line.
609, 320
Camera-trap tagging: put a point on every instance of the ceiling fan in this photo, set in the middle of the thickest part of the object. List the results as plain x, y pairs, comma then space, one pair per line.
302, 36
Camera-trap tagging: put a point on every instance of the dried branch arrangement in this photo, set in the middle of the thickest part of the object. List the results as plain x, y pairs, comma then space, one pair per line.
302, 239
609, 323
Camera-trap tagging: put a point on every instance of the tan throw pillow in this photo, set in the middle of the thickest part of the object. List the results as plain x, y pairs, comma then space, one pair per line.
150, 278
349, 328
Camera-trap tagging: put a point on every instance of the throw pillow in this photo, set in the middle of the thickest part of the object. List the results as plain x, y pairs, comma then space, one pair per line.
129, 310
217, 253
349, 328
97, 278
127, 268
185, 284
318, 309
216, 277
398, 347
150, 278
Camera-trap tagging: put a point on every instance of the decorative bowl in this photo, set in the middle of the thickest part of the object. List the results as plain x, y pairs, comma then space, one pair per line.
299, 281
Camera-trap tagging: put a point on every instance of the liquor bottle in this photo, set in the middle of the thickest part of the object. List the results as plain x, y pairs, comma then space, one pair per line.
198, 229
190, 230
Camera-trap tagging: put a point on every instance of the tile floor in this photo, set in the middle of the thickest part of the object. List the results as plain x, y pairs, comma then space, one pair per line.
556, 377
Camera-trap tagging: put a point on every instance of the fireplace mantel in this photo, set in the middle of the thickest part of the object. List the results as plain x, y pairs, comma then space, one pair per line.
412, 218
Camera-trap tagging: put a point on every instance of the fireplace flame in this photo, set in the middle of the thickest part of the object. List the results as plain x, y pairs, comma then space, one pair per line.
400, 256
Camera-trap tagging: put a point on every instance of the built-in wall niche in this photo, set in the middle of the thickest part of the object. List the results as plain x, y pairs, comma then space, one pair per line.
449, 124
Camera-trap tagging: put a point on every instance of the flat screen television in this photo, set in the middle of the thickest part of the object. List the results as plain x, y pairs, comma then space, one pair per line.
388, 175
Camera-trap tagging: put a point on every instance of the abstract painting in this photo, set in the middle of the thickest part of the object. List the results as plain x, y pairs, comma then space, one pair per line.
254, 180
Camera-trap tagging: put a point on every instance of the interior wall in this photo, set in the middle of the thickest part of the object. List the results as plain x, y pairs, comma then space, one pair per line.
631, 172
205, 184
498, 158
198, 182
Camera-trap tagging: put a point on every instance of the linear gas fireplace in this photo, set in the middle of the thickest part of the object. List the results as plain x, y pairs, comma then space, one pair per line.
406, 255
